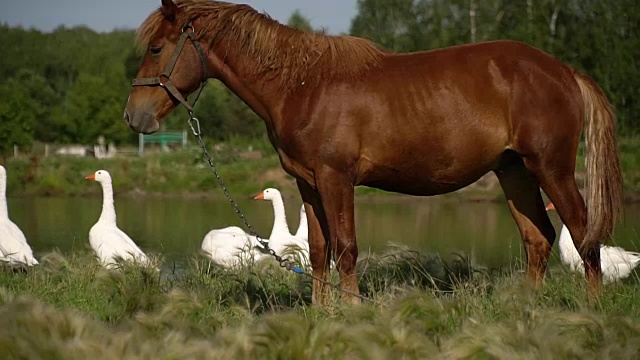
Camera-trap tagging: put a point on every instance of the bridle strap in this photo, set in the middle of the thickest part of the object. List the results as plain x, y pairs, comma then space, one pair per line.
205, 72
176, 53
166, 83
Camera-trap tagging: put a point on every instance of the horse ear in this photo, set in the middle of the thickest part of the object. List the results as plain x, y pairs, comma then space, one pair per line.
169, 9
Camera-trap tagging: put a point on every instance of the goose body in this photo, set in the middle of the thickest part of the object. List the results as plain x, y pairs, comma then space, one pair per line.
107, 241
230, 246
616, 262
14, 248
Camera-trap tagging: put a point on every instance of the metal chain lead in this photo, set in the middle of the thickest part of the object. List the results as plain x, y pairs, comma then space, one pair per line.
194, 124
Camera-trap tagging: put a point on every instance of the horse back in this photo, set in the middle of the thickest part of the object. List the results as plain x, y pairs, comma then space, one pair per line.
434, 121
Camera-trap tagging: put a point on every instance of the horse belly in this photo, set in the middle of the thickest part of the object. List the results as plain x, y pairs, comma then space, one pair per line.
425, 177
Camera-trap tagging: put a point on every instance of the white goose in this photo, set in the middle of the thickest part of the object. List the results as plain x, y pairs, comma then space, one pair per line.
230, 246
616, 262
281, 238
13, 245
106, 239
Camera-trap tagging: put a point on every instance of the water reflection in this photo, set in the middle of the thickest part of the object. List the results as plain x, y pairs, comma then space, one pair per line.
176, 227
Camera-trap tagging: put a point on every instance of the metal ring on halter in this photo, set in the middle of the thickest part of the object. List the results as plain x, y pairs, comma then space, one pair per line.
187, 27
193, 120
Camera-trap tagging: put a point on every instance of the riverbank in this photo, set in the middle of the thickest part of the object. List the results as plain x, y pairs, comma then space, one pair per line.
184, 173
422, 308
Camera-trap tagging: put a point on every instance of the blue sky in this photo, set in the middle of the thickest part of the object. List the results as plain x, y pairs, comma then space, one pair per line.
105, 15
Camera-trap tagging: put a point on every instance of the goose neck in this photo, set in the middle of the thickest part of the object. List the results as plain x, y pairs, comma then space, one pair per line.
108, 209
280, 225
4, 212
302, 227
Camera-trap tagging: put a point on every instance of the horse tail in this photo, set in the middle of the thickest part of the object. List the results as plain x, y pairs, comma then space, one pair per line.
604, 178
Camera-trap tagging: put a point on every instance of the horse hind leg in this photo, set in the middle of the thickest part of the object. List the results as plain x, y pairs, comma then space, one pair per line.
563, 191
522, 191
557, 179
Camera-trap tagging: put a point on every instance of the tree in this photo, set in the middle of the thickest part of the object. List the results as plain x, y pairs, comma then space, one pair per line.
92, 107
299, 21
441, 23
18, 115
42, 97
386, 22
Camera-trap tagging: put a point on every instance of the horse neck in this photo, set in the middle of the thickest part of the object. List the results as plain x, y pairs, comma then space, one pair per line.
4, 212
251, 94
263, 96
280, 225
108, 214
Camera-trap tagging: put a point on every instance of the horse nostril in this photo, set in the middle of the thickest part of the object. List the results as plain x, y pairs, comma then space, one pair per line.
126, 118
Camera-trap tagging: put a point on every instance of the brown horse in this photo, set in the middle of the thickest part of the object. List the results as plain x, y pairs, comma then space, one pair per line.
340, 112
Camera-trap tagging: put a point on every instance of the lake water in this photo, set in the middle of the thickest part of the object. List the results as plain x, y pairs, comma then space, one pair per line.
175, 227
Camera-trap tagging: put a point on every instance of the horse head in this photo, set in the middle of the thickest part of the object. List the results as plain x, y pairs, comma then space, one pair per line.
174, 65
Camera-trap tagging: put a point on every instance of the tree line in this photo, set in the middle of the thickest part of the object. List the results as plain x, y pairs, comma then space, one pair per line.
71, 85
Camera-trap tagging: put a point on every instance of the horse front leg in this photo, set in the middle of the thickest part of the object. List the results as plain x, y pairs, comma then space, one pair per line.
337, 195
318, 242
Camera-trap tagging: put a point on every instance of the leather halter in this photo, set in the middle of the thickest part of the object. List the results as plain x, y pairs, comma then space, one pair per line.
164, 80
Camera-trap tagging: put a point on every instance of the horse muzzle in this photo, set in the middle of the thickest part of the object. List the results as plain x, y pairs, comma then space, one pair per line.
143, 122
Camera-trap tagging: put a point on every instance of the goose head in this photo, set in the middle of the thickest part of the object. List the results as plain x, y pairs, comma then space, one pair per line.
268, 194
101, 176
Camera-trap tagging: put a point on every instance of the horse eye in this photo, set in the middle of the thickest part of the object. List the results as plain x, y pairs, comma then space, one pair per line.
155, 50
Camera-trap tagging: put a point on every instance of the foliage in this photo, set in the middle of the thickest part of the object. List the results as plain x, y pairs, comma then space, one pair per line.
68, 307
18, 116
299, 21
388, 23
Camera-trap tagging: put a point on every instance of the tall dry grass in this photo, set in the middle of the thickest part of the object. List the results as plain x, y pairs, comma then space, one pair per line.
422, 307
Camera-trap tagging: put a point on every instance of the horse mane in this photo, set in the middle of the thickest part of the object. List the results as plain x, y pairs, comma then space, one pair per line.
277, 51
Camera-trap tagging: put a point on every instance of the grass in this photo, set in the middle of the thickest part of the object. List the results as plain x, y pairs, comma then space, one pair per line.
69, 308
184, 173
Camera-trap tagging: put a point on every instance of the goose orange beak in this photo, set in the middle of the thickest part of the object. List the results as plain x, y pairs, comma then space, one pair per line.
259, 196
550, 207
91, 177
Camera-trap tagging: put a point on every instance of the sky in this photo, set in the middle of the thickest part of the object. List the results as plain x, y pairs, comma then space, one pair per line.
106, 15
